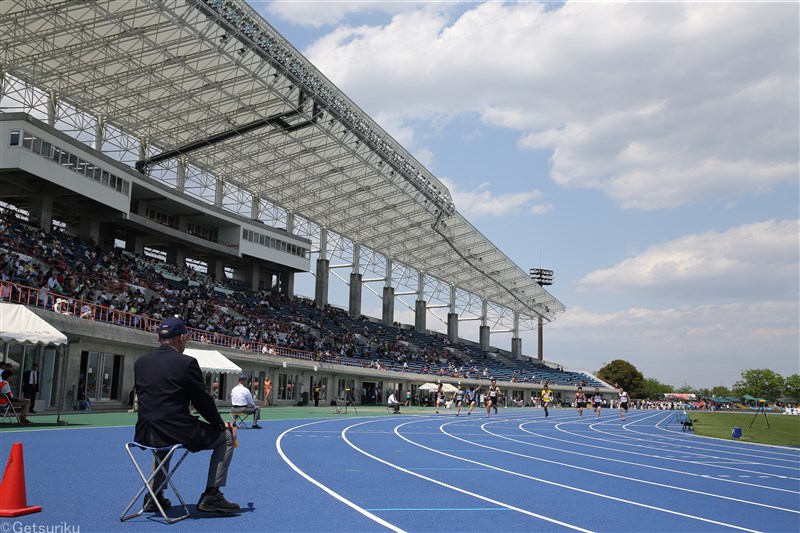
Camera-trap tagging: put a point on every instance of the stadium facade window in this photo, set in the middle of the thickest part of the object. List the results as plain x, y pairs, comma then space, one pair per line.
276, 244
155, 254
66, 159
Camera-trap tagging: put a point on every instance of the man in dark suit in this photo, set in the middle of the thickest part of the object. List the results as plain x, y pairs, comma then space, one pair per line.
30, 384
166, 383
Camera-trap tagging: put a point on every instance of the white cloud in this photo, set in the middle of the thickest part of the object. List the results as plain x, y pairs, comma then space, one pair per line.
541, 209
656, 104
752, 260
320, 13
703, 345
482, 202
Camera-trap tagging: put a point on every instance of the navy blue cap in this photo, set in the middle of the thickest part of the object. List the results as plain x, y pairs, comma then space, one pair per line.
242, 378
171, 327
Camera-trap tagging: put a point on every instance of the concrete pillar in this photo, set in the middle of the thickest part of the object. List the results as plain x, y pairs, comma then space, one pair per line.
516, 348
484, 337
388, 305
142, 148
89, 229
216, 268
177, 256
255, 207
52, 108
134, 242
287, 283
355, 294
452, 327
420, 316
252, 275
219, 191
42, 208
180, 183
107, 237
322, 280
541, 338
290, 222
99, 132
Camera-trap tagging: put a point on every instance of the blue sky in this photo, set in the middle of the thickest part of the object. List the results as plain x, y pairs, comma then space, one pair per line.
646, 152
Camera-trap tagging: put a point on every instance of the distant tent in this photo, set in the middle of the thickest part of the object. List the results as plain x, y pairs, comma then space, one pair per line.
213, 361
749, 398
679, 396
720, 399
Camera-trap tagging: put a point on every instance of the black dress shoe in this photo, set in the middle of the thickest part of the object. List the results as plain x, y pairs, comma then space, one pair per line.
255, 426
32, 411
216, 503
151, 507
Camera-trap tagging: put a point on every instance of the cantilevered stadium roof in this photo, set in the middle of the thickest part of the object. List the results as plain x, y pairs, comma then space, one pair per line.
212, 82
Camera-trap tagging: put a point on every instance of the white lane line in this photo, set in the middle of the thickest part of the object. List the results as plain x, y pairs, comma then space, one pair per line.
618, 476
701, 458
451, 487
330, 491
652, 467
560, 485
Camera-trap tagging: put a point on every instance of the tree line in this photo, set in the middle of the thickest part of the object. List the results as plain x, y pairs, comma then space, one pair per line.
760, 383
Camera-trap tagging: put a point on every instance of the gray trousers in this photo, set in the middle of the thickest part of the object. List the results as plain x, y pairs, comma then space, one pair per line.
255, 411
221, 456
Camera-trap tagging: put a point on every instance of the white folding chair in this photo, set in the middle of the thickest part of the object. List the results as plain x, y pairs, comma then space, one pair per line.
7, 409
147, 481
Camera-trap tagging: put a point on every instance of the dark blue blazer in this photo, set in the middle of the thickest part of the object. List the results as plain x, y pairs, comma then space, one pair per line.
166, 383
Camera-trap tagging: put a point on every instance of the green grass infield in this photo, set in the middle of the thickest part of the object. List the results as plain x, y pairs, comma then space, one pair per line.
783, 430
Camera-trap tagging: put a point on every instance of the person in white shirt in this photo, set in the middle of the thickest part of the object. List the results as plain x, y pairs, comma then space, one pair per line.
393, 403
242, 402
623, 403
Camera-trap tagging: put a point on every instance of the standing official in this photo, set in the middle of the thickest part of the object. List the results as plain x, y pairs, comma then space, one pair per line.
30, 385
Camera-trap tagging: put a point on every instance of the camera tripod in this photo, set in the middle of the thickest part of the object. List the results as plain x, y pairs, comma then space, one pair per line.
348, 402
760, 410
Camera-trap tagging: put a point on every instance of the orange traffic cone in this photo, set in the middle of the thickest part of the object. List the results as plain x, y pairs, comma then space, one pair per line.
13, 500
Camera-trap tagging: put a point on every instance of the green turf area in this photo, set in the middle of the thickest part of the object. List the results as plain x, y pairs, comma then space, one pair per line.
784, 430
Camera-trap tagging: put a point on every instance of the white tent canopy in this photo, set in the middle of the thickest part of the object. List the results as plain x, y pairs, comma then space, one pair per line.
20, 325
213, 361
434, 387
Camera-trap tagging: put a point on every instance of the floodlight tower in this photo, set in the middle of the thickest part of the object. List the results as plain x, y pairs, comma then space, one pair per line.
541, 277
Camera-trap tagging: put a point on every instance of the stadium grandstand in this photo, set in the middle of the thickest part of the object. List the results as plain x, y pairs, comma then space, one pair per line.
165, 157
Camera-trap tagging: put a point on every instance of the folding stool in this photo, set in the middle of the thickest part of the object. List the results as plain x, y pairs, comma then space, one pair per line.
239, 419
170, 451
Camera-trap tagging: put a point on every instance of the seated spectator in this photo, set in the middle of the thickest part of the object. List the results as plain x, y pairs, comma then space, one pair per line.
61, 306
393, 403
23, 405
242, 402
87, 311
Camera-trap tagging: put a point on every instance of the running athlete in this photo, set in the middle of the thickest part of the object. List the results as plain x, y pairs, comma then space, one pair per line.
623, 403
597, 401
459, 397
580, 401
440, 398
492, 397
472, 397
547, 397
